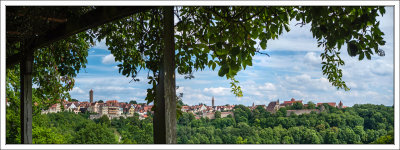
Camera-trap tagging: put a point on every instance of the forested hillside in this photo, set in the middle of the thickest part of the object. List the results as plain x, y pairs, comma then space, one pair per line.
359, 124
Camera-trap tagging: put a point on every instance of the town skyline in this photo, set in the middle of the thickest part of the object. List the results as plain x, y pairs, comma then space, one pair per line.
212, 101
114, 109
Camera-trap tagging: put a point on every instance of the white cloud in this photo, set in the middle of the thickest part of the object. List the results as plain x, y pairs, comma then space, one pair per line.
312, 58
251, 88
297, 93
181, 89
220, 91
77, 90
268, 87
304, 82
109, 59
196, 98
113, 89
297, 39
380, 67
101, 45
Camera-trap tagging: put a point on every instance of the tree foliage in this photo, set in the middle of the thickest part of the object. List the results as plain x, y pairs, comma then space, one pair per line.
211, 36
305, 129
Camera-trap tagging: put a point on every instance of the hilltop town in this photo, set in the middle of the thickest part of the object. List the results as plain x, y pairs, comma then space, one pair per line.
114, 109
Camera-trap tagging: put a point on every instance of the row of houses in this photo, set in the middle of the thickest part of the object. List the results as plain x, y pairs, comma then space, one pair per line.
196, 109
111, 108
209, 111
115, 109
201, 111
275, 106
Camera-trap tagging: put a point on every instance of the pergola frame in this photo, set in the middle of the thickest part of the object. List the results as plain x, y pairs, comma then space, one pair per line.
165, 114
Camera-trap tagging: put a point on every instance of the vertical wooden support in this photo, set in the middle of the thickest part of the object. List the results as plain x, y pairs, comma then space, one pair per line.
169, 75
165, 113
26, 67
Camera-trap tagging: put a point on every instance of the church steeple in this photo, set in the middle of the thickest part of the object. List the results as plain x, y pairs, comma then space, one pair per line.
340, 105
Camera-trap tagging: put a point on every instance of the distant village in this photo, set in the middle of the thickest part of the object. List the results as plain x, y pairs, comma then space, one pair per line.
114, 109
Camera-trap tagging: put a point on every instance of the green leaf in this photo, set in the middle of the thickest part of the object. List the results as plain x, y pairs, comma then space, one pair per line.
223, 70
287, 28
213, 66
263, 44
368, 55
235, 51
221, 52
361, 57
352, 48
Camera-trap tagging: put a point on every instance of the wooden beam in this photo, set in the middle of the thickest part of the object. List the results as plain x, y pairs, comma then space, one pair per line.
13, 60
165, 121
97, 17
51, 19
26, 97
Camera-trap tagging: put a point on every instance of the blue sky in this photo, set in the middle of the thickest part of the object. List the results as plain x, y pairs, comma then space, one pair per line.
293, 70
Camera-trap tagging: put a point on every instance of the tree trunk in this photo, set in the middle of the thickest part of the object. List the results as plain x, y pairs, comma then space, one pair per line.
165, 113
159, 126
26, 97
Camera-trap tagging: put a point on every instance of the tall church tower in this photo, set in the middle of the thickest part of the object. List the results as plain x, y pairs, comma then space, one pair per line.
212, 101
340, 105
91, 95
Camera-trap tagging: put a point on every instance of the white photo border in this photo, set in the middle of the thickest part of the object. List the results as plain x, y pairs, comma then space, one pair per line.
394, 3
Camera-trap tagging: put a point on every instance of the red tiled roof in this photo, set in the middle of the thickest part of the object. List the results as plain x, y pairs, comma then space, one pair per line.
291, 102
146, 108
112, 103
53, 106
333, 104
83, 104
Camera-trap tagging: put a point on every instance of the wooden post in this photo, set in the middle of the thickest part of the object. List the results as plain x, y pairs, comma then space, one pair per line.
26, 67
164, 123
169, 75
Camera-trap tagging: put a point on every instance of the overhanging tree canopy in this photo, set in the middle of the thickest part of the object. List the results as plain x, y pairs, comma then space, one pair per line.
228, 37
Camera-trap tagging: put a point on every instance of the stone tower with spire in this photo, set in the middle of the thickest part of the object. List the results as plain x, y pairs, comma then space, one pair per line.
91, 95
212, 101
340, 105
